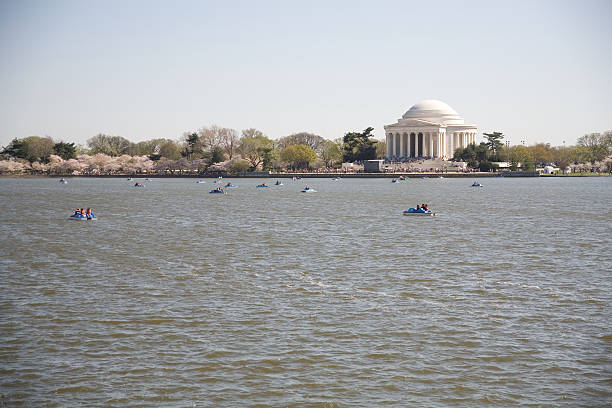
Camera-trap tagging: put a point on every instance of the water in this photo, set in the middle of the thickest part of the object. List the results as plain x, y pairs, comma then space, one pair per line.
271, 297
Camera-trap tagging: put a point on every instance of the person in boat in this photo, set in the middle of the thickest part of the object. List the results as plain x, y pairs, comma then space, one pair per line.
425, 207
89, 214
77, 212
264, 185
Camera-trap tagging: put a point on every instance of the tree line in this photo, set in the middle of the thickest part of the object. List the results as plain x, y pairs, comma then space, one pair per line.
201, 150
218, 149
593, 148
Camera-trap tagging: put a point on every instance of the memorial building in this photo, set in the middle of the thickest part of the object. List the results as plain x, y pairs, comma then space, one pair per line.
430, 129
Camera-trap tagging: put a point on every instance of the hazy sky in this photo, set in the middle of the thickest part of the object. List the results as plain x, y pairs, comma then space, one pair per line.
539, 71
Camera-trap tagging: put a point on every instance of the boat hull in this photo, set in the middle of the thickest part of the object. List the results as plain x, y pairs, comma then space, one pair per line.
430, 214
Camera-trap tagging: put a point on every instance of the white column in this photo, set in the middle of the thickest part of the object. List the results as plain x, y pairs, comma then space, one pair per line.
409, 145
446, 142
396, 145
399, 144
431, 151
436, 147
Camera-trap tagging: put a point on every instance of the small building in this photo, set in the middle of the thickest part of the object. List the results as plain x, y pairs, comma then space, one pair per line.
351, 167
373, 166
502, 165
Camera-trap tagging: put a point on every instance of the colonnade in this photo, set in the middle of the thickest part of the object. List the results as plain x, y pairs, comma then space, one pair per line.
427, 144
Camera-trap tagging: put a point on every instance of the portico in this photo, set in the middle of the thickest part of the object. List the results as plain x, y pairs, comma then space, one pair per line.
430, 129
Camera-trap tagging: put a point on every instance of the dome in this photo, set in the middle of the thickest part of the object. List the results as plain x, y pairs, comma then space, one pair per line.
435, 111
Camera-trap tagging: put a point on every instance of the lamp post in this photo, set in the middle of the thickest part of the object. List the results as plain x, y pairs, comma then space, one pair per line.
508, 151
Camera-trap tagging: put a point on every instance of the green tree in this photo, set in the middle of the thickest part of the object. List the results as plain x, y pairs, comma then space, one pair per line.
270, 156
146, 148
381, 149
486, 165
541, 153
217, 155
358, 146
331, 153
494, 143
472, 154
193, 145
315, 142
596, 146
14, 149
109, 145
66, 151
298, 156
521, 155
169, 149
239, 166
255, 147
32, 148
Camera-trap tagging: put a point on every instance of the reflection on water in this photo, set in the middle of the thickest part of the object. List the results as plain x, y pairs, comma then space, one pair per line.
272, 297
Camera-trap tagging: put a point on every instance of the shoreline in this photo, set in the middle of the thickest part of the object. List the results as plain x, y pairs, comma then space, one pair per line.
316, 175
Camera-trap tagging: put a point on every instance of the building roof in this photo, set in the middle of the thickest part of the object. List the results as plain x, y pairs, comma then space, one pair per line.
435, 111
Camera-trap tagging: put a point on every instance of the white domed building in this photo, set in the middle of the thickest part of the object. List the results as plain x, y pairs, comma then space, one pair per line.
430, 129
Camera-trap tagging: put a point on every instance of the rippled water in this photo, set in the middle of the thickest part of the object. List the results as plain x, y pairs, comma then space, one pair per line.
270, 297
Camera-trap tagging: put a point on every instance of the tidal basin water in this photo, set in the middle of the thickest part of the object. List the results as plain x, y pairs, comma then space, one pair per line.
270, 297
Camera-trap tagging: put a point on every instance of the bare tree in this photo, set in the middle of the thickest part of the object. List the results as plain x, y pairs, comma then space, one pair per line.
251, 132
229, 141
211, 137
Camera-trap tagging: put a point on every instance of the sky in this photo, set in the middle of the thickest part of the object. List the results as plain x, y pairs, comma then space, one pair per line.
538, 71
